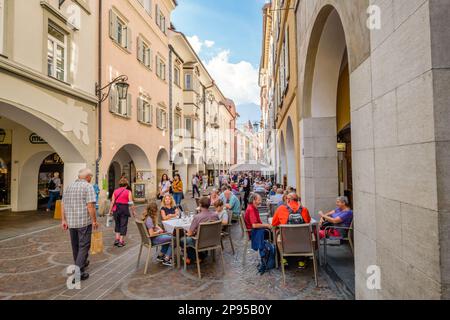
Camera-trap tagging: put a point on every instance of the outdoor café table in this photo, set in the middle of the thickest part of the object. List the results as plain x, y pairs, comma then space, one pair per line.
177, 225
313, 223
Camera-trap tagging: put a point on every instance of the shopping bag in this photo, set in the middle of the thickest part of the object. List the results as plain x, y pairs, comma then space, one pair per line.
109, 221
96, 242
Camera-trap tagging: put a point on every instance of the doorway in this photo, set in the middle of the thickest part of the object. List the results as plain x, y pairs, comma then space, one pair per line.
51, 164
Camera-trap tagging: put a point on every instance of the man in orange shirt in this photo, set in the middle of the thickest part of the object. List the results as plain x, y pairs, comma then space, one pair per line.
281, 215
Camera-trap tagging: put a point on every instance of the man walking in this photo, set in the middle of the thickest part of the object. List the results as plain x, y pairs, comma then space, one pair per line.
54, 190
195, 181
246, 187
78, 216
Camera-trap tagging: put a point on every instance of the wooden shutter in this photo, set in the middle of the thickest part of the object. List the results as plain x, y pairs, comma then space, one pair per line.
147, 57
113, 25
140, 49
113, 101
129, 105
157, 16
140, 110
150, 63
150, 111
129, 39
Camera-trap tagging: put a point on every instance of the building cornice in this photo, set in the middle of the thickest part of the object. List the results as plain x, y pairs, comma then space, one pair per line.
45, 81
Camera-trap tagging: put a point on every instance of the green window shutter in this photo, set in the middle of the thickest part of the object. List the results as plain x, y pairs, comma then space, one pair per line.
140, 115
157, 16
112, 25
150, 56
113, 102
140, 49
129, 105
129, 42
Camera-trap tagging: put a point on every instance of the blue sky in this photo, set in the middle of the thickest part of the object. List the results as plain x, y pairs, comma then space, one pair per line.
227, 36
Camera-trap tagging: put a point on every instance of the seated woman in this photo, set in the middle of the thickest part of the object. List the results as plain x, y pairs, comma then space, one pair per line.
151, 221
221, 212
342, 216
169, 209
214, 196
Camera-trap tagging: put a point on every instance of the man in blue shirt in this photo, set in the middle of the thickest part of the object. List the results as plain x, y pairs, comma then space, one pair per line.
231, 202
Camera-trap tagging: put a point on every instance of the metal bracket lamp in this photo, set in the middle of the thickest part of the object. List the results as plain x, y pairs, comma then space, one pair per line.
122, 85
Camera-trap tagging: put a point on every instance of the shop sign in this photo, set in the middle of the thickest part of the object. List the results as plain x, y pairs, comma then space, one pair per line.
35, 139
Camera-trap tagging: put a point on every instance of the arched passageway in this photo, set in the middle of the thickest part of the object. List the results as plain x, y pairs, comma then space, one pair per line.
31, 139
325, 172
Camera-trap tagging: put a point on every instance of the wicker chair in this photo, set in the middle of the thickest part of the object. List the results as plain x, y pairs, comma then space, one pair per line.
226, 230
146, 241
208, 238
348, 237
297, 241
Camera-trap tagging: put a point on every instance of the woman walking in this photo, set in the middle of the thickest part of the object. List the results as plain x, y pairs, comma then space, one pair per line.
121, 201
164, 186
177, 187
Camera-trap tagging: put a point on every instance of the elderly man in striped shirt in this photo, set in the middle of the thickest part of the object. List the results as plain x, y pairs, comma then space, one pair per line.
79, 217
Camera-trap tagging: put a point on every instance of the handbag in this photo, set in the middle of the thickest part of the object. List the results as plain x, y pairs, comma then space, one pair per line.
96, 242
115, 199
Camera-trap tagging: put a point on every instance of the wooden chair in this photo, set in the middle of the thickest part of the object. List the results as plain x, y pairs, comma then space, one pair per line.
146, 241
296, 241
209, 237
226, 230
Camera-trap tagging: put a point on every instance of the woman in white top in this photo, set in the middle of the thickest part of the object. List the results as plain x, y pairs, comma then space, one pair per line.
164, 186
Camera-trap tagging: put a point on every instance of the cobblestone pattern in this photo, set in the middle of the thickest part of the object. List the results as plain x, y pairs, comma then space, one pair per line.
33, 267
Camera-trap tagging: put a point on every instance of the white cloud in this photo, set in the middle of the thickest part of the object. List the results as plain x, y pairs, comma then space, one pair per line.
198, 44
209, 43
238, 81
195, 43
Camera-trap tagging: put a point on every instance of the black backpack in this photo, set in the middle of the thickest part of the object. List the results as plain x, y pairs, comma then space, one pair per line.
51, 185
295, 217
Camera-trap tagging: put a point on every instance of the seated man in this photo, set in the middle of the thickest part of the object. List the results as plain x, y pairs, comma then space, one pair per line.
342, 216
252, 218
205, 215
273, 192
231, 202
284, 215
276, 198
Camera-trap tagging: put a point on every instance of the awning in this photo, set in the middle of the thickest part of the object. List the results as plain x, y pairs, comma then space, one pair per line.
243, 167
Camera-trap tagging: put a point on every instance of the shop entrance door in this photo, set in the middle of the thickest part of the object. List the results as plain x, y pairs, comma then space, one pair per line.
5, 174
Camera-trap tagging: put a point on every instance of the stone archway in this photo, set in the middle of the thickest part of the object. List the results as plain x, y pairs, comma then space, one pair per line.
282, 170
28, 157
318, 126
162, 163
290, 155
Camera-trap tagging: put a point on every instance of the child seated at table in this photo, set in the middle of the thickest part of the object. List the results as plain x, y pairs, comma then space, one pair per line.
221, 212
158, 235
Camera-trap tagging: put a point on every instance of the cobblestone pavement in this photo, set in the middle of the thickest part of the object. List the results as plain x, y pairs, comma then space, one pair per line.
32, 267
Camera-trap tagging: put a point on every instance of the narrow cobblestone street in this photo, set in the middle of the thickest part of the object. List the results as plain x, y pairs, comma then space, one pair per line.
32, 267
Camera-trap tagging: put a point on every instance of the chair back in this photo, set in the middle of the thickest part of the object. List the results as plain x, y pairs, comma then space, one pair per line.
350, 232
296, 239
145, 237
243, 226
209, 234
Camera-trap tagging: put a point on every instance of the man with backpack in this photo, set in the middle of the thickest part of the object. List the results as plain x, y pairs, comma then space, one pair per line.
292, 213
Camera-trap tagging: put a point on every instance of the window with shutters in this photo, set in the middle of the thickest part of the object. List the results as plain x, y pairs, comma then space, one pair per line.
176, 76
177, 125
161, 119
145, 111
188, 82
189, 128
160, 68
144, 53
56, 53
160, 20
121, 107
119, 31
147, 4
